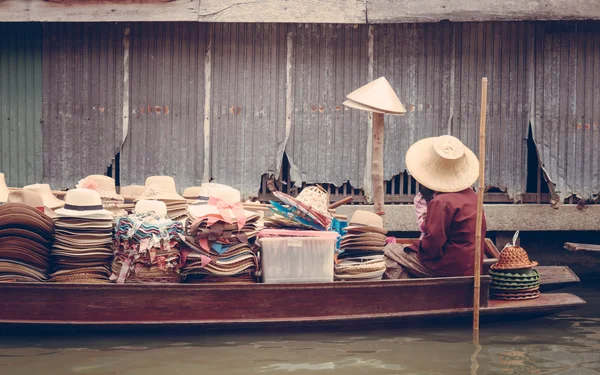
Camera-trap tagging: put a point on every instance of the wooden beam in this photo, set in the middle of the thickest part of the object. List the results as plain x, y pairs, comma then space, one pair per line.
408, 11
98, 10
305, 11
583, 248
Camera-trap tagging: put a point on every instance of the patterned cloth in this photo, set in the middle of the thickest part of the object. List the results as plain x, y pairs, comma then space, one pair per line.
421, 211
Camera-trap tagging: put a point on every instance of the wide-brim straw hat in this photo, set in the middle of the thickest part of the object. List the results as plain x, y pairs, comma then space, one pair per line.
131, 192
513, 258
146, 206
376, 96
29, 198
3, 189
50, 200
442, 164
365, 222
85, 204
160, 188
104, 185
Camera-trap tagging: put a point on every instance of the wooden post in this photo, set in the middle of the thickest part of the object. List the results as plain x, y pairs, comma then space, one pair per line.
480, 191
377, 163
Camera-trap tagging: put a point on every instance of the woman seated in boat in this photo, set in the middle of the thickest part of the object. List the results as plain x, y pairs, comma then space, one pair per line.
446, 170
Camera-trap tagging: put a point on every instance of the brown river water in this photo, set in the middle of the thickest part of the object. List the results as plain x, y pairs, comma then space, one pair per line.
562, 344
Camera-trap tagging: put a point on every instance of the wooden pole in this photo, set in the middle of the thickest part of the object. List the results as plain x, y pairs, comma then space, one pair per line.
377, 163
480, 191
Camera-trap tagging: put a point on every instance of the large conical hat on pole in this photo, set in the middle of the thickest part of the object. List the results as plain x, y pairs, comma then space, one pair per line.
377, 96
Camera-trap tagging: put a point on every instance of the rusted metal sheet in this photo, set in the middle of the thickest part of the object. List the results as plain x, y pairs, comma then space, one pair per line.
437, 69
21, 103
567, 107
166, 78
247, 121
327, 141
82, 100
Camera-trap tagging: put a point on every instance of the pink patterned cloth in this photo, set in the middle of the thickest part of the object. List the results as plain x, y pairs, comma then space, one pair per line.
421, 211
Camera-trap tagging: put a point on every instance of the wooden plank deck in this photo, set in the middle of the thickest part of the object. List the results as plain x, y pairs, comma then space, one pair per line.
583, 248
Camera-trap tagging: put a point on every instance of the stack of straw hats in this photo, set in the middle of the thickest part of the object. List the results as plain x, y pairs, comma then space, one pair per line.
26, 235
362, 249
513, 276
162, 188
220, 235
307, 211
3, 189
82, 250
147, 245
50, 201
105, 186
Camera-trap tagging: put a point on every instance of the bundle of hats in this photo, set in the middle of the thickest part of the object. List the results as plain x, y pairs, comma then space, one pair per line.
147, 245
220, 235
307, 211
513, 276
105, 186
362, 248
50, 201
82, 250
26, 235
162, 188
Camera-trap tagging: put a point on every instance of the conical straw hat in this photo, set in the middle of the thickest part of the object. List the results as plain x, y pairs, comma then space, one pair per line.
442, 164
377, 96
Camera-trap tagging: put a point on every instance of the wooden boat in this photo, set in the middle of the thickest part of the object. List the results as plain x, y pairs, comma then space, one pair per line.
583, 248
213, 305
235, 305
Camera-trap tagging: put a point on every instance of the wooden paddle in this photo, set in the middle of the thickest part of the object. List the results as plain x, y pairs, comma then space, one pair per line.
480, 191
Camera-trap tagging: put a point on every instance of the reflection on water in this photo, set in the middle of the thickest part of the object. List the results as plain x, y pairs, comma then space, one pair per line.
564, 344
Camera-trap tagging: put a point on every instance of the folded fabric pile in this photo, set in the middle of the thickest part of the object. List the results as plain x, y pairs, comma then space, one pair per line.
105, 186
82, 250
513, 276
26, 235
220, 234
147, 245
307, 211
362, 247
162, 188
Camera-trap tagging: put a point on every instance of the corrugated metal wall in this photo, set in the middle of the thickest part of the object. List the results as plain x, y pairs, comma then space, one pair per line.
437, 70
248, 110
166, 102
82, 100
21, 103
328, 142
567, 106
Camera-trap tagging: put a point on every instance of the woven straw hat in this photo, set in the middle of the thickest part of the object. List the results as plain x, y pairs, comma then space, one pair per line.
131, 192
104, 185
3, 189
27, 197
377, 96
192, 192
83, 203
44, 191
513, 258
161, 188
145, 206
442, 164
364, 222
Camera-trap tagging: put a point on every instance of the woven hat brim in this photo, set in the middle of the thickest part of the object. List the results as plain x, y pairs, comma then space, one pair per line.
453, 176
518, 266
365, 229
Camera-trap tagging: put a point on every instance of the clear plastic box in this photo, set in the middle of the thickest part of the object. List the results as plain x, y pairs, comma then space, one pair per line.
298, 259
